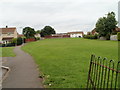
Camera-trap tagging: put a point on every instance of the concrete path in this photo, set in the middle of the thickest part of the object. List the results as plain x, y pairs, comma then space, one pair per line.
23, 73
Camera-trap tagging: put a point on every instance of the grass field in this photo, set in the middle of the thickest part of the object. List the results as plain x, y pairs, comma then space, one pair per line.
65, 62
7, 52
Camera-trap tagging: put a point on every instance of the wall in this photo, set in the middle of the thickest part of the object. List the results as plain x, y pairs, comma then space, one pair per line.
113, 37
15, 34
76, 35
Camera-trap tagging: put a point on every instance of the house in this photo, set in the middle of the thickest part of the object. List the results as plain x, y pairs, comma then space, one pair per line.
117, 29
76, 34
93, 32
37, 35
7, 34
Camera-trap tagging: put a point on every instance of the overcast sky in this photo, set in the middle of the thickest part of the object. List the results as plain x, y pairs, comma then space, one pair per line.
62, 15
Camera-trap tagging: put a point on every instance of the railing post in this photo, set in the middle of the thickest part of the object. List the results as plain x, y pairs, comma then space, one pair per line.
118, 64
103, 75
89, 70
118, 69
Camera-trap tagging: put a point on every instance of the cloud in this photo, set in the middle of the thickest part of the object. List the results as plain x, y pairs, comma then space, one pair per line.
63, 15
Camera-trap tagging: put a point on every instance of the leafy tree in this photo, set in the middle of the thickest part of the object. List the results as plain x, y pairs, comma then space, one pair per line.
106, 25
38, 32
28, 32
47, 30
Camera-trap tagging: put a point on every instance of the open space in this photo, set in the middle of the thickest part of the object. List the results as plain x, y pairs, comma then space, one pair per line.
64, 62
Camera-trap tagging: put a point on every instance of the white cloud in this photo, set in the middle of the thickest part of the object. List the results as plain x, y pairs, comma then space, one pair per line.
63, 15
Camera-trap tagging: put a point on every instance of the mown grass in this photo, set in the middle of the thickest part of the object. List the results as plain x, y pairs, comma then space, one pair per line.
65, 62
7, 52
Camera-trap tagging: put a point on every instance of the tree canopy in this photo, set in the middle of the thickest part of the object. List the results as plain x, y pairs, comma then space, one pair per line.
47, 30
28, 32
106, 25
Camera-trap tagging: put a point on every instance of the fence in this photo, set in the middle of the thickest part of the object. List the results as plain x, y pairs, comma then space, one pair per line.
57, 36
30, 40
103, 74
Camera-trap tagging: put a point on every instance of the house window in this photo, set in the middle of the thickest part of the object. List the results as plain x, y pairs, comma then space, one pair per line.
9, 33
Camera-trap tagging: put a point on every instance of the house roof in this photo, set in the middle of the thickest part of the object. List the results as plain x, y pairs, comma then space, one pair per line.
7, 30
75, 32
20, 35
117, 29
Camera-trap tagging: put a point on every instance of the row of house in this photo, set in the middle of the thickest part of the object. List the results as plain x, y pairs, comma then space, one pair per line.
66, 35
8, 33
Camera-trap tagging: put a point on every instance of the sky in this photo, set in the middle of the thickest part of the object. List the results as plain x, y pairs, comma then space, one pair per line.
63, 15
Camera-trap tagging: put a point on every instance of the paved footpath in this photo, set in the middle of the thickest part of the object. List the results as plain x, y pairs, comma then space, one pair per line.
23, 73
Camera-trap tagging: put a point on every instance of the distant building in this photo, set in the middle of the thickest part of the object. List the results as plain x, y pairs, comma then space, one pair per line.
93, 32
37, 35
7, 34
76, 34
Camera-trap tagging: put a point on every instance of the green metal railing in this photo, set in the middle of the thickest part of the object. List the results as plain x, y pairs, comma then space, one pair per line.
103, 74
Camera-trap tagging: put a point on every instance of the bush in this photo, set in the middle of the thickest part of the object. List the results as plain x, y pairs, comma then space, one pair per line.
91, 36
3, 45
108, 37
118, 36
10, 45
14, 40
7, 45
37, 38
19, 41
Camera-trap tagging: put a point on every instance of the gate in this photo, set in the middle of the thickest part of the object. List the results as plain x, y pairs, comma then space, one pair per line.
103, 73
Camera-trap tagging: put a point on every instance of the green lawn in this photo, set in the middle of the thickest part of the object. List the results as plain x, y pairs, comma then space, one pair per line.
65, 62
7, 52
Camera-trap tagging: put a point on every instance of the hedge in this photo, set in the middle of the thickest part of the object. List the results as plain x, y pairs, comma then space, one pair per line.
91, 36
118, 36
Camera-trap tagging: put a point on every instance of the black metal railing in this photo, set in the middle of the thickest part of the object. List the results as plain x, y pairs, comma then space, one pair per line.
103, 73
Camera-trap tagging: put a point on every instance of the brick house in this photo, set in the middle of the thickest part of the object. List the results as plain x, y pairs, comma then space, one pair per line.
7, 34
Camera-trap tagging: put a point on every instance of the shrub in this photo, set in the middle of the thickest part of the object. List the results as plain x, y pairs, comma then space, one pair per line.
3, 45
91, 36
19, 41
107, 37
118, 36
14, 40
37, 38
10, 45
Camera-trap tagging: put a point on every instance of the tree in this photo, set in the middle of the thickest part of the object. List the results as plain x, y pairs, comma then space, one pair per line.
47, 30
38, 32
29, 32
106, 25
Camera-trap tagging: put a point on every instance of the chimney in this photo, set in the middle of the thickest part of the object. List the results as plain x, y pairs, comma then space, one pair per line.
6, 26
